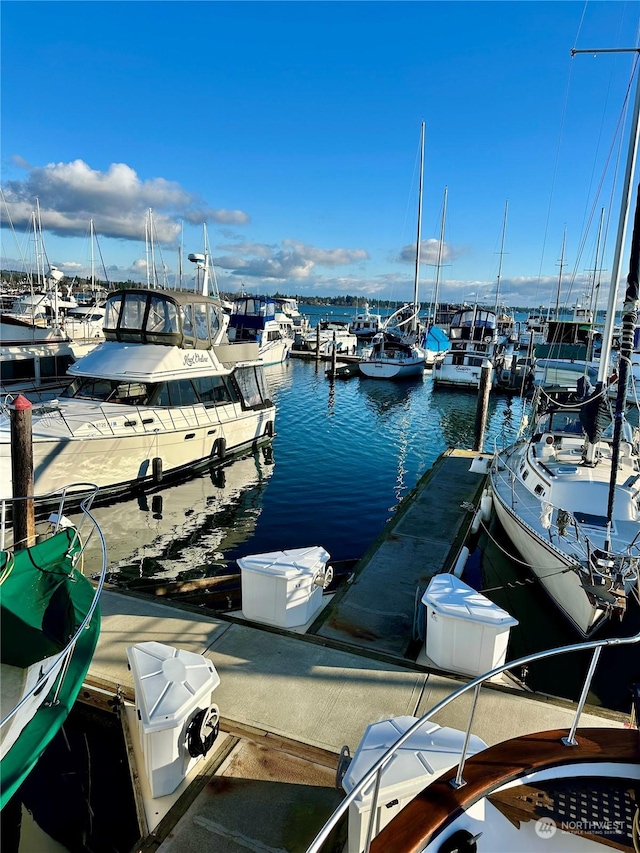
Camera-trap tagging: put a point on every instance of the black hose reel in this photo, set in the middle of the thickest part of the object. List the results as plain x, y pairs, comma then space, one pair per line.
203, 730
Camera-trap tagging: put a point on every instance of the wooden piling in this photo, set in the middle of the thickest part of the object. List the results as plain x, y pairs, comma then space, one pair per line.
334, 357
24, 526
318, 342
483, 405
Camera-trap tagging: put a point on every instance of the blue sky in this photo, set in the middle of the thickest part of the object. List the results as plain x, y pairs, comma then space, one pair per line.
291, 129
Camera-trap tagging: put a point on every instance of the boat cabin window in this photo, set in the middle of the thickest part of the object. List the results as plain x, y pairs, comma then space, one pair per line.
169, 318
252, 386
112, 311
162, 317
178, 393
108, 391
19, 370
200, 318
214, 320
132, 316
214, 390
187, 320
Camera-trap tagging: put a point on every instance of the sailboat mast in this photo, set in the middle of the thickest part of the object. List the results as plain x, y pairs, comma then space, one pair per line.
561, 264
629, 320
416, 285
504, 234
436, 291
93, 268
625, 204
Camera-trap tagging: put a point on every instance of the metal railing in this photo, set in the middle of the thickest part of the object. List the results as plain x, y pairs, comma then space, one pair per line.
60, 662
375, 773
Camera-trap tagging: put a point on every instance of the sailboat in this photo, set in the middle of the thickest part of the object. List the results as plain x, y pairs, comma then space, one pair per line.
36, 341
434, 339
568, 496
477, 335
395, 353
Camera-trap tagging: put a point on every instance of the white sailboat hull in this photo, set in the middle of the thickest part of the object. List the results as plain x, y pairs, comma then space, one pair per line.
385, 369
552, 569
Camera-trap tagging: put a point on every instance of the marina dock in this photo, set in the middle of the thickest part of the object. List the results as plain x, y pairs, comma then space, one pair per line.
291, 699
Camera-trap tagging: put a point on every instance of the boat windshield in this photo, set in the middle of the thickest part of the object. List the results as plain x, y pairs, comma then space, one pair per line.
109, 391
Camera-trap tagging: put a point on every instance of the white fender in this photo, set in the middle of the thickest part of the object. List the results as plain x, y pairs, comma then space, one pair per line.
486, 505
461, 562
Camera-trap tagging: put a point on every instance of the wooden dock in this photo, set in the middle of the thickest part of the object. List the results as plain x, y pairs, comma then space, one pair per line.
423, 538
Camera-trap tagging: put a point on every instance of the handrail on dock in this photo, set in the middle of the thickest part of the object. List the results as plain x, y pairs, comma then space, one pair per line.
376, 771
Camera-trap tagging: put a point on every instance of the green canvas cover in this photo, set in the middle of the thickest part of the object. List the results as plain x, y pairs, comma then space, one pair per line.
43, 600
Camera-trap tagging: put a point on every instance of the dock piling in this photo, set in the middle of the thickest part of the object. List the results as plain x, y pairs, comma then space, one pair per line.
483, 404
24, 526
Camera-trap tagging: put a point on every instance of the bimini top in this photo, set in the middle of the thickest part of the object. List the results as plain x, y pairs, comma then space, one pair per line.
171, 317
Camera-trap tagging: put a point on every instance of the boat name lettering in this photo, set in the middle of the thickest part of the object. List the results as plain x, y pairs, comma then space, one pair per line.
195, 358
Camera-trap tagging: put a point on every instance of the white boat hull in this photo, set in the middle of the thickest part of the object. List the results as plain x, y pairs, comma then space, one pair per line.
552, 569
130, 439
275, 352
382, 369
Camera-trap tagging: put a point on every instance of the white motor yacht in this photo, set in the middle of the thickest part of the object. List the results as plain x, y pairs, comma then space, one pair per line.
257, 319
166, 392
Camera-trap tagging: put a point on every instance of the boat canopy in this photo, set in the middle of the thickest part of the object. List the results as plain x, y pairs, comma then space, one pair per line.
472, 324
251, 312
174, 318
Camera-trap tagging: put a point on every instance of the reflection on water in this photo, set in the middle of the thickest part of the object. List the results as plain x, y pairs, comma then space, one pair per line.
182, 531
279, 376
383, 396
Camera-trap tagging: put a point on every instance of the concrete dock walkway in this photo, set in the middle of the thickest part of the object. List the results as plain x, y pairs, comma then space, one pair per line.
289, 701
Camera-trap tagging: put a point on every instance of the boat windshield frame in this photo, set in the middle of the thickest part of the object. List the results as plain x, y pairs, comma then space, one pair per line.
170, 318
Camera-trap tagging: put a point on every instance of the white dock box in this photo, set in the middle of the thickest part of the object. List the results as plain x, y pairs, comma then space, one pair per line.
466, 632
283, 588
427, 754
171, 686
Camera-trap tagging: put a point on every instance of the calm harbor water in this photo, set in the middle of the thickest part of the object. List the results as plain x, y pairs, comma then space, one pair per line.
344, 455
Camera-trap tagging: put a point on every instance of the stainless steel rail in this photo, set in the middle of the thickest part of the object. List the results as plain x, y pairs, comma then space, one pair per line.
376, 771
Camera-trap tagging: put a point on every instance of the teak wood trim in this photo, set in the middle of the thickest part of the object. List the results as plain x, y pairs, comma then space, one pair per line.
439, 803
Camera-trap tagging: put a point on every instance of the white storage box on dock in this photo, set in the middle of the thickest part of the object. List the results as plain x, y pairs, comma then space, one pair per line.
466, 632
428, 753
283, 588
171, 686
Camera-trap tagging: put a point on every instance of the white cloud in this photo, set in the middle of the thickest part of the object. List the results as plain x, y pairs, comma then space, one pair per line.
292, 261
70, 194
